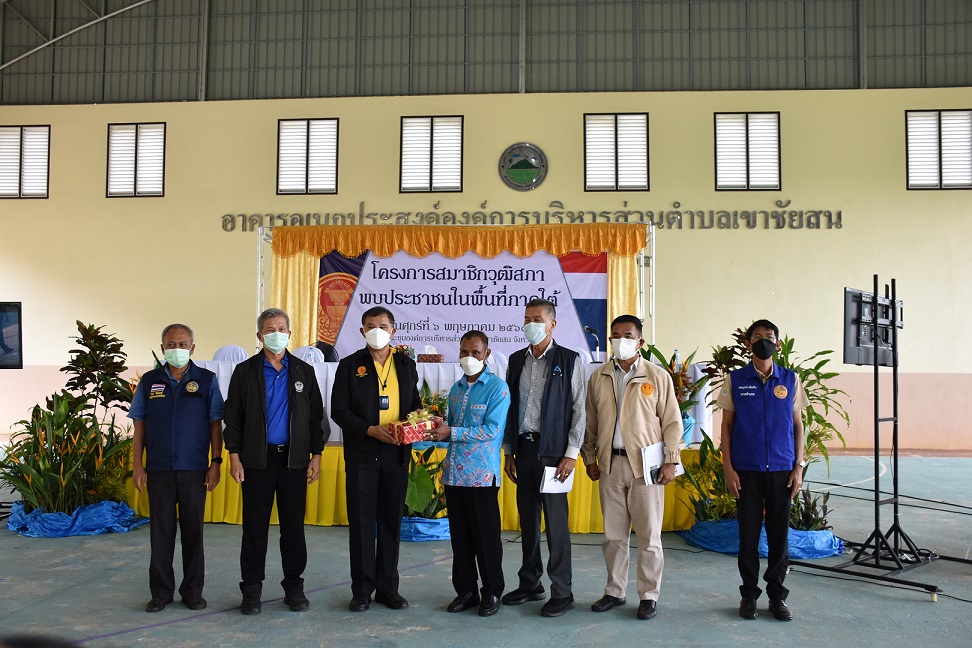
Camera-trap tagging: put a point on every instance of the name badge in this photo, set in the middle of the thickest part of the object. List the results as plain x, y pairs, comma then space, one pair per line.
383, 402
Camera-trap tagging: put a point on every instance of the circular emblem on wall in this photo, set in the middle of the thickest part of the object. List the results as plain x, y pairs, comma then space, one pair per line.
523, 166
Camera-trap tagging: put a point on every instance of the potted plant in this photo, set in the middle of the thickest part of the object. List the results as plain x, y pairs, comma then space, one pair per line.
686, 390
425, 504
69, 460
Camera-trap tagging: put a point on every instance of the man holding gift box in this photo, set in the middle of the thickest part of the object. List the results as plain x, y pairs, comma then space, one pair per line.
478, 405
374, 388
545, 429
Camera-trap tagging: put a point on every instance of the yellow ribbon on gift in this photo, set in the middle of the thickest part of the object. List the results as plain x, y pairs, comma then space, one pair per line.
419, 416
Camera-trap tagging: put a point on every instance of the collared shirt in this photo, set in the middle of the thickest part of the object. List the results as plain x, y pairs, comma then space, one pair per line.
477, 416
533, 380
622, 380
138, 410
278, 405
724, 400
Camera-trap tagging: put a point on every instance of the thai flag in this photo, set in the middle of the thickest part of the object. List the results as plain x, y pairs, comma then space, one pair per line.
158, 388
587, 281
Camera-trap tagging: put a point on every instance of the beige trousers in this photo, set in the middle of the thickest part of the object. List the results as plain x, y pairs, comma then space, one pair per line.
626, 499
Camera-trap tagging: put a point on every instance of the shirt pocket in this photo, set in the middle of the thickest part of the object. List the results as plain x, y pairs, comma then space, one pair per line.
477, 413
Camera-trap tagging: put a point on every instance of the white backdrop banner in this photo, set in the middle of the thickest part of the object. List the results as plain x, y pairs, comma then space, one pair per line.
436, 299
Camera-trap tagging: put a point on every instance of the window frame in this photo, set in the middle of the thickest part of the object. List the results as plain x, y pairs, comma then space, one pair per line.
401, 153
907, 160
20, 168
337, 150
779, 150
617, 170
135, 193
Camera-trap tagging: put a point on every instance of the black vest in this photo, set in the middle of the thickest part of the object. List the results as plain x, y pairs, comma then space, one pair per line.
557, 406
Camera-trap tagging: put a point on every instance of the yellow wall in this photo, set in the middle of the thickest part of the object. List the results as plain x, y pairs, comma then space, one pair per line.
138, 264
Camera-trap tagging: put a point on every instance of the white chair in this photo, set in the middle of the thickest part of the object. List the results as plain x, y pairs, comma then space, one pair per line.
230, 353
310, 355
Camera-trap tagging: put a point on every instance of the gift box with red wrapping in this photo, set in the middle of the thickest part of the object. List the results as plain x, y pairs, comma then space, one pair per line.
411, 431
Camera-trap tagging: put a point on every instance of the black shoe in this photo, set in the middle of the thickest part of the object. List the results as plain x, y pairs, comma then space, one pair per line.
647, 610
490, 605
520, 596
251, 599
360, 603
195, 603
556, 607
157, 604
296, 601
747, 608
391, 600
606, 602
463, 602
779, 610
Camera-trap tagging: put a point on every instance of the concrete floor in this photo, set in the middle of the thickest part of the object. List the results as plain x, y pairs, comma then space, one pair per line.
92, 590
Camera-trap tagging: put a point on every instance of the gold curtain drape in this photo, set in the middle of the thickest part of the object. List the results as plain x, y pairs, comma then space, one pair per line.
293, 287
452, 242
622, 288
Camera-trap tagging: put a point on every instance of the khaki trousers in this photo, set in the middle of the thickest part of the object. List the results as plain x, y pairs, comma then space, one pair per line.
626, 499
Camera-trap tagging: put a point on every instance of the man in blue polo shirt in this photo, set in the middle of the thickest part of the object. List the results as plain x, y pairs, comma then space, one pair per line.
762, 456
177, 410
476, 423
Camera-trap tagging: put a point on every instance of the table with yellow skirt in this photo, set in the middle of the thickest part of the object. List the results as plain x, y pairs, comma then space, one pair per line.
327, 505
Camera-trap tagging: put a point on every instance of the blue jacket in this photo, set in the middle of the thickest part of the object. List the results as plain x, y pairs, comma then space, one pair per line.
477, 416
177, 420
762, 429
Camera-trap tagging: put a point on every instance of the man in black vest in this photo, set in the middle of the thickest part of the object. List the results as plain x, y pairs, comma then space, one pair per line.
374, 387
545, 428
177, 410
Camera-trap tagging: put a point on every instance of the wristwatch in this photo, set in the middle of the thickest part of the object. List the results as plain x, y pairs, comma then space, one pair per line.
217, 460
802, 464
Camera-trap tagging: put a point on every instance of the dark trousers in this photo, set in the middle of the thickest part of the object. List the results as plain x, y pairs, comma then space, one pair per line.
529, 501
759, 491
166, 489
376, 500
259, 488
474, 526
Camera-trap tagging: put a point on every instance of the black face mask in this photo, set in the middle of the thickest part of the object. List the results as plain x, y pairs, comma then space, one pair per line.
764, 349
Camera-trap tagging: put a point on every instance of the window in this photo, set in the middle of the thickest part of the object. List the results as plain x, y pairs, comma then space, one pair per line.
616, 152
747, 151
307, 156
24, 161
939, 149
431, 154
136, 160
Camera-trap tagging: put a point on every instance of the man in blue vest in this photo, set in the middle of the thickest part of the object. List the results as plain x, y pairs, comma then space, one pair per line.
762, 456
177, 410
544, 428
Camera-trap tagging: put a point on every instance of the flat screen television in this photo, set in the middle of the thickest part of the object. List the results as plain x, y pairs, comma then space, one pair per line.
861, 312
11, 336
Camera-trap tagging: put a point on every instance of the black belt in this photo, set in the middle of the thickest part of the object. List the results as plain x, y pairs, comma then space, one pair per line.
273, 448
530, 437
619, 451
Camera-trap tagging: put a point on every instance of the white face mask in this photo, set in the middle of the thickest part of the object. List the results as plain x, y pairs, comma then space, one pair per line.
177, 358
276, 342
624, 348
377, 338
535, 332
471, 366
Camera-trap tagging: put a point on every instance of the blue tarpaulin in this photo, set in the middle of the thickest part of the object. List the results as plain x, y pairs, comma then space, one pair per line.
93, 519
415, 529
723, 536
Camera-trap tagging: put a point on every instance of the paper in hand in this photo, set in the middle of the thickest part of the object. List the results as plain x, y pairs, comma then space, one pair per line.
551, 484
653, 457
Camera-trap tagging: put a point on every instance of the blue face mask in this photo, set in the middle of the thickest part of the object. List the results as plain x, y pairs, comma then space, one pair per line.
275, 342
535, 332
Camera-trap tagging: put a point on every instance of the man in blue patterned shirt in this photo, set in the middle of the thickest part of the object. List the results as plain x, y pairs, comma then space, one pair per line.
471, 472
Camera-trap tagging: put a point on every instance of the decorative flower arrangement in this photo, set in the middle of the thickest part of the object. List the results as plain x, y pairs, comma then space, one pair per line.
406, 349
425, 496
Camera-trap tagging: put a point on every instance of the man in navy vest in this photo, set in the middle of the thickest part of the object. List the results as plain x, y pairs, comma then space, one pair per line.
177, 410
762, 455
544, 428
